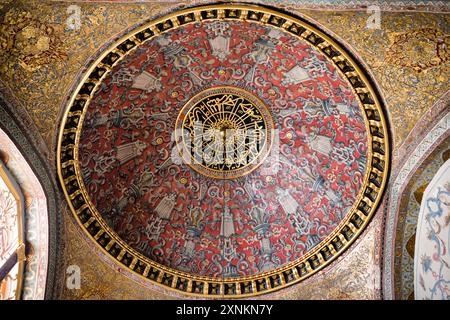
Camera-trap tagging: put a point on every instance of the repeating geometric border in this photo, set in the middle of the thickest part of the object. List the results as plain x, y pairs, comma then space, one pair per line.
345, 234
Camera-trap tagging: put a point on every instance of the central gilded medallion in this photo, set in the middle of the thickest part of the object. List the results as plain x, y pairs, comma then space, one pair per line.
224, 132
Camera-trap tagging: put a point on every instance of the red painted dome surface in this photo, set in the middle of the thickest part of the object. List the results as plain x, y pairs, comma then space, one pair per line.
212, 227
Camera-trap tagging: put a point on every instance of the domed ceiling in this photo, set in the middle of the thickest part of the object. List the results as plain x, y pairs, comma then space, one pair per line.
224, 150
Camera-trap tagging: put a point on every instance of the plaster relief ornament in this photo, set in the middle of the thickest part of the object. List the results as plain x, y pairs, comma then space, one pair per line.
214, 159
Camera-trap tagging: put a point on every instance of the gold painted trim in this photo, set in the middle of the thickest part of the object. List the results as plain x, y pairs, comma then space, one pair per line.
345, 234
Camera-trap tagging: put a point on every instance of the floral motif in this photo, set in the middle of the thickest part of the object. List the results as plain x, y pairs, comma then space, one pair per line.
420, 49
27, 41
432, 263
241, 227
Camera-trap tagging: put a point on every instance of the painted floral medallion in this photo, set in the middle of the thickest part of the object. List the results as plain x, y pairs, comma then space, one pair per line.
220, 152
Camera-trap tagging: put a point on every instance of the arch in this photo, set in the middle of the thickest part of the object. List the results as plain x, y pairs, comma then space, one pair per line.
24, 162
12, 236
34, 204
427, 136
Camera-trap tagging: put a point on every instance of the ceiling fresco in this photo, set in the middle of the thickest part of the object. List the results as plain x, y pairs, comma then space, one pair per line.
248, 217
44, 63
126, 150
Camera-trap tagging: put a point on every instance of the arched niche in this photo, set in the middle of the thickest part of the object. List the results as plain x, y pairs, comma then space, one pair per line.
12, 236
431, 257
23, 191
415, 163
25, 157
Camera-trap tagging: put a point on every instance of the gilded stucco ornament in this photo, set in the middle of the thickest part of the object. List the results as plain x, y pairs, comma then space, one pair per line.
420, 49
28, 42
